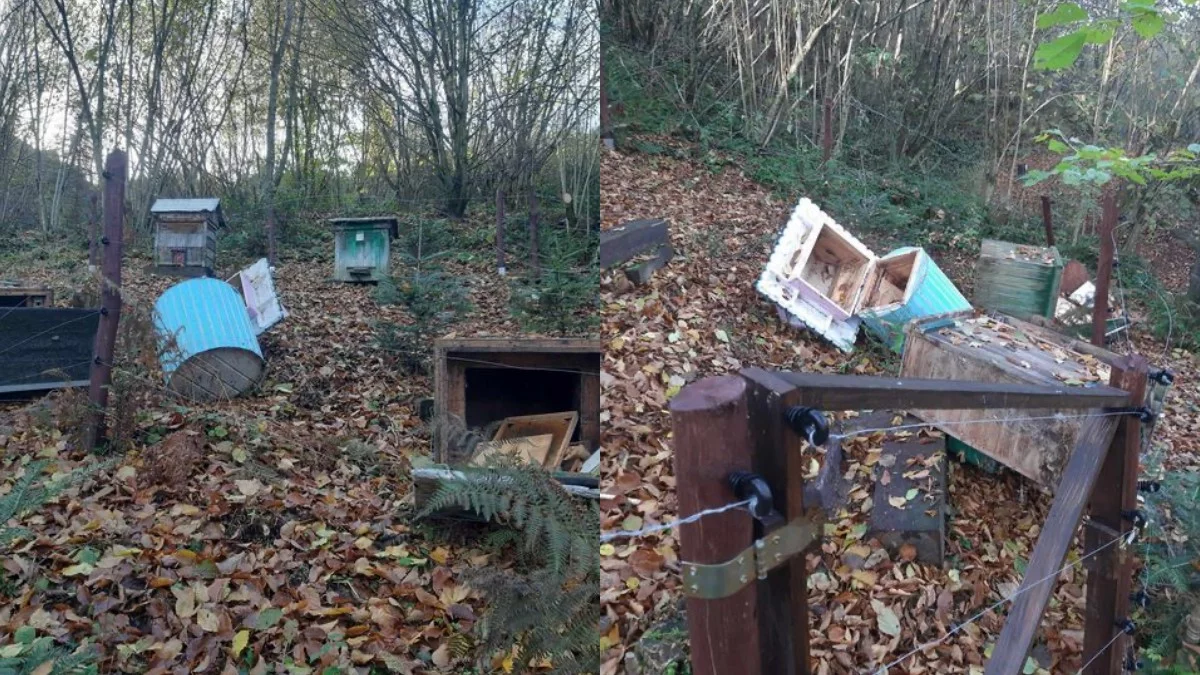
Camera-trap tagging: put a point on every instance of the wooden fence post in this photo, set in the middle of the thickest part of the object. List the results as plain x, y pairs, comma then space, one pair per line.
606, 131
110, 294
1047, 221
712, 439
783, 596
1108, 225
1110, 578
500, 227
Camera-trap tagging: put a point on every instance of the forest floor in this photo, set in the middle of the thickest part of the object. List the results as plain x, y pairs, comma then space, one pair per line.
269, 533
701, 316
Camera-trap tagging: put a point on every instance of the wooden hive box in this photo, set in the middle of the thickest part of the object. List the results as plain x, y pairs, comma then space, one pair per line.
826, 279
990, 347
20, 294
362, 247
483, 381
1018, 280
185, 236
45, 348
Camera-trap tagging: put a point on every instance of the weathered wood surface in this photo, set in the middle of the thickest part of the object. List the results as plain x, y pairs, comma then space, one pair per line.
1109, 581
17, 294
110, 295
1013, 353
1079, 477
1016, 279
625, 241
560, 426
776, 454
864, 392
453, 357
711, 429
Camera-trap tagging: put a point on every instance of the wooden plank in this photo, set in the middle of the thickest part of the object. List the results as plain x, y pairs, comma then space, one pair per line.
783, 597
629, 239
519, 344
1079, 477
640, 274
864, 392
1110, 579
561, 427
528, 449
711, 440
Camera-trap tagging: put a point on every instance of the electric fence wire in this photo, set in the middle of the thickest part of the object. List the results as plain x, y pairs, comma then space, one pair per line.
1101, 652
923, 425
1023, 589
620, 534
47, 331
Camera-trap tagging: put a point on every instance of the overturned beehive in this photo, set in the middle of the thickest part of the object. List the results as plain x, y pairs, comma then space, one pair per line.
210, 351
483, 381
827, 280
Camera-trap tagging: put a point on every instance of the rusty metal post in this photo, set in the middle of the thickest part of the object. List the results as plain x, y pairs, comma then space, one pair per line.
1046, 220
1108, 226
500, 227
110, 294
827, 132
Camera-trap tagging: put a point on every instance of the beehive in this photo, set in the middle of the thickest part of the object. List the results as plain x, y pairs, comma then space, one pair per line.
185, 235
210, 351
1018, 280
362, 248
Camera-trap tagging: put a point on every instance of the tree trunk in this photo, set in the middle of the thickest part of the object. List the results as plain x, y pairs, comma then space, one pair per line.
268, 178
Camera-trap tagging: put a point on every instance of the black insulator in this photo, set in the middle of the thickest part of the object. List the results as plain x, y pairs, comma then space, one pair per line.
1140, 599
747, 485
1163, 377
1149, 486
809, 423
1126, 625
1136, 517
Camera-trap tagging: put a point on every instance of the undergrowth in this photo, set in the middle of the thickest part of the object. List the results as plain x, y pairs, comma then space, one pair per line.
546, 607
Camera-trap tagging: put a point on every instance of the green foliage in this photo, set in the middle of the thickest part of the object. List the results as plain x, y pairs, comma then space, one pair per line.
548, 607
433, 297
30, 492
563, 298
27, 653
1061, 53
1170, 551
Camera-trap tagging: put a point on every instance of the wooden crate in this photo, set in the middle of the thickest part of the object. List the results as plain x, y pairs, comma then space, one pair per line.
991, 347
19, 294
45, 349
483, 381
1018, 280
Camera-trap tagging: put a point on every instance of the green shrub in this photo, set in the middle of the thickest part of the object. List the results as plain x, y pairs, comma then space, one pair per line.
563, 298
548, 607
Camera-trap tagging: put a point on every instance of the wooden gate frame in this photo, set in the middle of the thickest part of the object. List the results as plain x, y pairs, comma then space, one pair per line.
730, 424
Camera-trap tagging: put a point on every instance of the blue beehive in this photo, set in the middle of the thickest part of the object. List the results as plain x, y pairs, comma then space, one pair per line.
210, 351
907, 285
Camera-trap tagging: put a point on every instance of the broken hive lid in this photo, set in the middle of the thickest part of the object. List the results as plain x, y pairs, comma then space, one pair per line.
262, 302
822, 277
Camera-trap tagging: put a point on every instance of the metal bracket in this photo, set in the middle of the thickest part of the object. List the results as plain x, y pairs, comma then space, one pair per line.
721, 580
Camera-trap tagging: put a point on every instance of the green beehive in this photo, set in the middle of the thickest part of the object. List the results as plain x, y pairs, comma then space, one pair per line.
1018, 280
362, 247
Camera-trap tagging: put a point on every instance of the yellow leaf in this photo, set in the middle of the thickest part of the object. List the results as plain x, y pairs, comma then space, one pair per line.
240, 641
239, 455
617, 344
250, 487
207, 619
633, 583
507, 663
126, 472
44, 669
78, 570
607, 549
439, 555
364, 543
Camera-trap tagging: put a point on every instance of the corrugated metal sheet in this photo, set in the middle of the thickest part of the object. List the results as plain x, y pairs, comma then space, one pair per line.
199, 205
202, 315
1018, 280
929, 293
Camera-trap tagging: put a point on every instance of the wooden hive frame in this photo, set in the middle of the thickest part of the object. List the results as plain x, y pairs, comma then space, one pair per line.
20, 294
539, 375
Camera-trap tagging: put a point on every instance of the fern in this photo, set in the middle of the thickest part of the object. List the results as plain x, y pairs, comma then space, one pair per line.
549, 607
1170, 555
28, 654
27, 494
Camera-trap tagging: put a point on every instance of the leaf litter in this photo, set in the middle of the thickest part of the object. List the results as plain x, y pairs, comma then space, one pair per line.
248, 532
700, 317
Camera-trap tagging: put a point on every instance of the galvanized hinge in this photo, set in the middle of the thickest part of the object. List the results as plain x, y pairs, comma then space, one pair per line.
721, 580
